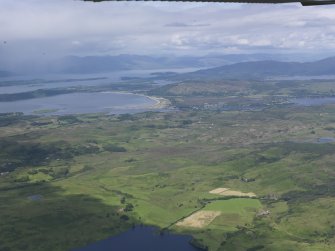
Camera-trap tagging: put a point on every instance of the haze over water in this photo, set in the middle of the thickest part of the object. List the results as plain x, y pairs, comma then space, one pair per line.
79, 103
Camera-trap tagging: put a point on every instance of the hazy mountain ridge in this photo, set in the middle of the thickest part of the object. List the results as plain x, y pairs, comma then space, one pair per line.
96, 64
216, 66
266, 68
102, 64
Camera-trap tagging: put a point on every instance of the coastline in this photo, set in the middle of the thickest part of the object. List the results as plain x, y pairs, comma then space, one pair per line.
145, 103
161, 103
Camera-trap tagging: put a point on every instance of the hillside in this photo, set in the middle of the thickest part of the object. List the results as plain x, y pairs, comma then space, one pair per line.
96, 64
266, 68
123, 62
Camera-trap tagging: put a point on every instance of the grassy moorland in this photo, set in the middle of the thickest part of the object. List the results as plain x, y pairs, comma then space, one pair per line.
70, 180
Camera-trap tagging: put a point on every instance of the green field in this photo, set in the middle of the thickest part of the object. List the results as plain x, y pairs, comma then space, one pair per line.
234, 213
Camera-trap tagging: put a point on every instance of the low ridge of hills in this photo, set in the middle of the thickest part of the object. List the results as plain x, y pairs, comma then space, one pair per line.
234, 66
123, 62
97, 64
265, 68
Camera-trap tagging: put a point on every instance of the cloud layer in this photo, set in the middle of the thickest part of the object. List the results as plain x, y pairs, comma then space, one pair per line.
36, 28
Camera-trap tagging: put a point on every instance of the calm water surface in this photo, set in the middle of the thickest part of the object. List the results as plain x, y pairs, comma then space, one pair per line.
325, 140
313, 101
79, 103
86, 79
142, 239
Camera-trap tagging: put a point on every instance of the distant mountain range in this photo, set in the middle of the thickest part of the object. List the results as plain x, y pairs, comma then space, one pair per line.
105, 64
100, 64
267, 68
218, 66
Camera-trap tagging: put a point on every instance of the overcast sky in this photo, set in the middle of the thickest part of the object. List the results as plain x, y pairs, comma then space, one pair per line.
72, 27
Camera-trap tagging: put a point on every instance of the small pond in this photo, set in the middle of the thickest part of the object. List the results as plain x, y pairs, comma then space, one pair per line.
313, 101
325, 140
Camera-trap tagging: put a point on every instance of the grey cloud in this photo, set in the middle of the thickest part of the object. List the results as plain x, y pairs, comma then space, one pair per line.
68, 27
177, 24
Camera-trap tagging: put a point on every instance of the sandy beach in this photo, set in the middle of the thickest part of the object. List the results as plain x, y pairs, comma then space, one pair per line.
161, 103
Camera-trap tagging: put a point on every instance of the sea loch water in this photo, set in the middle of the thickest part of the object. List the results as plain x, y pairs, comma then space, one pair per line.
79, 103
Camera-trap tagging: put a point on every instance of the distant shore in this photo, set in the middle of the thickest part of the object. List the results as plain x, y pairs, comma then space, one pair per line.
161, 103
